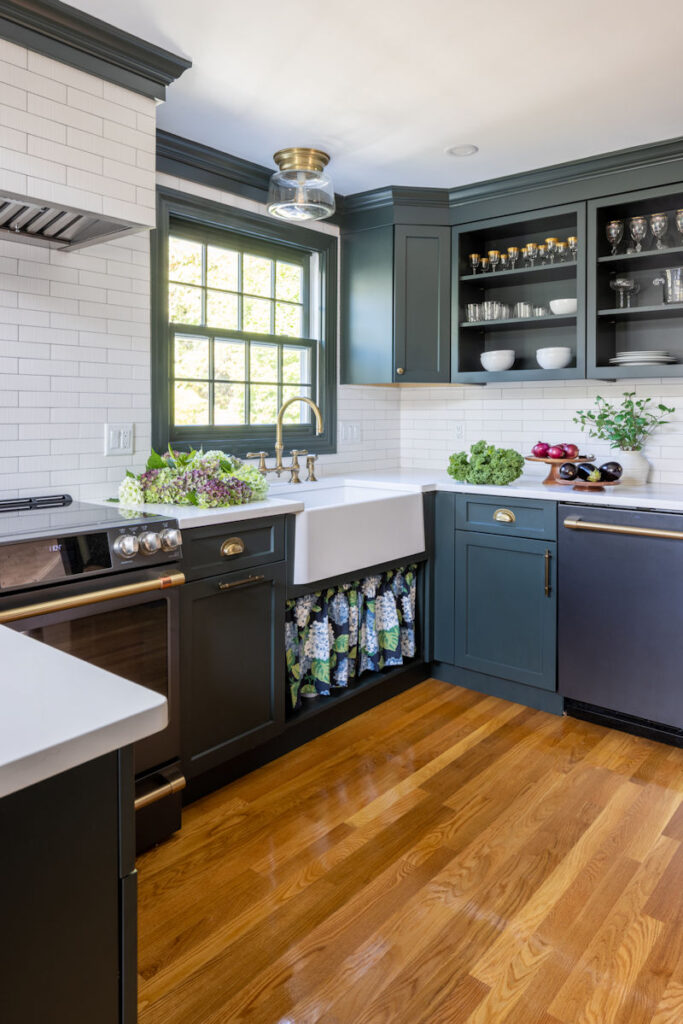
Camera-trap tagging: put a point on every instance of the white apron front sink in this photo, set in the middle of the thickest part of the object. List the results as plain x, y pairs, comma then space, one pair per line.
348, 527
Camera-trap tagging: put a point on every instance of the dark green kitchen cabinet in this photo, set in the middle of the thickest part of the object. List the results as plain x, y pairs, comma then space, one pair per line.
395, 305
232, 664
505, 607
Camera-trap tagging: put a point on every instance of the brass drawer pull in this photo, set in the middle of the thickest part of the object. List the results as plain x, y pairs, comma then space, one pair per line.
174, 782
575, 523
504, 515
241, 583
546, 588
232, 546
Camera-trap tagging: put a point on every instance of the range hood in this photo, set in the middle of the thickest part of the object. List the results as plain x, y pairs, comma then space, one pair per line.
57, 226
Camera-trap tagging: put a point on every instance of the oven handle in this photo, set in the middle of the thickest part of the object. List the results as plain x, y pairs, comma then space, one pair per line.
574, 523
28, 611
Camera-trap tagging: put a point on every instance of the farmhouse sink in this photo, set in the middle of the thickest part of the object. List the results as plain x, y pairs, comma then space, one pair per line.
348, 527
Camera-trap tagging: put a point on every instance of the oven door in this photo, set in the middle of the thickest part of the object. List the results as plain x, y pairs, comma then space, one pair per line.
129, 629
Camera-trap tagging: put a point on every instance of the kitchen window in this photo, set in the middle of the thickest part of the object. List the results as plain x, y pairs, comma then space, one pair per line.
245, 319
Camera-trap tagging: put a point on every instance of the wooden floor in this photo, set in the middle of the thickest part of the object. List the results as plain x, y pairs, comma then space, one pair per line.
446, 858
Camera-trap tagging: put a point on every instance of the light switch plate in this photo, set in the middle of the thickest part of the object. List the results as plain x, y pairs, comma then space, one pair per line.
459, 431
118, 439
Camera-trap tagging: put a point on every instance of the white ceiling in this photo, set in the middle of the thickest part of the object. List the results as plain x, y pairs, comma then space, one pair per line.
386, 85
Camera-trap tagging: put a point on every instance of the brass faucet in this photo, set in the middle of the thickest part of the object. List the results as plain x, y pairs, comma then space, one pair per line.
296, 452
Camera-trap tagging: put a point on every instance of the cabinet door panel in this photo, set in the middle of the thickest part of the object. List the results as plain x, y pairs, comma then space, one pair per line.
232, 665
422, 304
504, 620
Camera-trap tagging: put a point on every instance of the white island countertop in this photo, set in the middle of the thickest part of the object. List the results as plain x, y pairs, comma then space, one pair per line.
190, 516
57, 712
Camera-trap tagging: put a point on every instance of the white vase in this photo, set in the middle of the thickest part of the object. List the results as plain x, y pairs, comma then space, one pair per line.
635, 465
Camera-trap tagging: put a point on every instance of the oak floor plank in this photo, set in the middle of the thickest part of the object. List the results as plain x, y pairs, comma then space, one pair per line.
445, 858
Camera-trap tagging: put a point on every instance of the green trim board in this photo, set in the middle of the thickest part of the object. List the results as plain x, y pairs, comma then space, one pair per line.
216, 217
193, 161
66, 34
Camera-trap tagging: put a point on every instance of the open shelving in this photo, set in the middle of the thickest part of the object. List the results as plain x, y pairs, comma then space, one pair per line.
649, 322
537, 285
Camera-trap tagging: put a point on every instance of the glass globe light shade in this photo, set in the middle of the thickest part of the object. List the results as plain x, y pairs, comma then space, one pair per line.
300, 190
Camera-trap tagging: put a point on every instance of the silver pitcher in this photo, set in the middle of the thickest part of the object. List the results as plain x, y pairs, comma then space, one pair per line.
672, 279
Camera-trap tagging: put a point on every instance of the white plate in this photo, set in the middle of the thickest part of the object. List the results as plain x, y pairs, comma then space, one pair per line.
649, 359
643, 362
642, 353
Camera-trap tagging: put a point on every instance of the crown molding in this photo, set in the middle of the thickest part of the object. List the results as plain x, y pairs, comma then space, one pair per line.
193, 161
89, 44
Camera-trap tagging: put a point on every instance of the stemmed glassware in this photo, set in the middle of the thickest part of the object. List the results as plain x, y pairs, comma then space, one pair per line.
659, 223
484, 264
615, 233
494, 259
551, 246
573, 245
532, 253
625, 287
504, 261
679, 221
638, 228
562, 251
513, 254
474, 261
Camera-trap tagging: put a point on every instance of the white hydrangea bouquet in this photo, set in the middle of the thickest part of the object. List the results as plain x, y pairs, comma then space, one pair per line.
204, 479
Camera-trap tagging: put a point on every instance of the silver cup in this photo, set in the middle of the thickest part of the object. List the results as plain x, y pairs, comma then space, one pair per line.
659, 223
541, 311
491, 310
473, 312
615, 233
638, 228
523, 310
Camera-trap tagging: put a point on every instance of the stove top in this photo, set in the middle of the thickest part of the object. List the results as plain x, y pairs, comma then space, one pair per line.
42, 517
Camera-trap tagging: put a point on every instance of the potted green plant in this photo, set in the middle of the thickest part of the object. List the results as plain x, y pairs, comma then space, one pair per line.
626, 427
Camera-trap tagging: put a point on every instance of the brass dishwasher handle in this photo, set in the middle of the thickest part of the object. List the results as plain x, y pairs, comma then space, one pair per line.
504, 515
28, 611
175, 782
232, 546
546, 587
574, 523
241, 583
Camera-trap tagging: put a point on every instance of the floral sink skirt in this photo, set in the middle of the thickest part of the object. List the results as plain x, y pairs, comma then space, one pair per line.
335, 635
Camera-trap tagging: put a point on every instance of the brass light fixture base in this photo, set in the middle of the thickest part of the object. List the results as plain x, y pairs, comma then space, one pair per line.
298, 158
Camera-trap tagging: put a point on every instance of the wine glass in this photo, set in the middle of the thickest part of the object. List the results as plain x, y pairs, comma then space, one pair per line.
562, 251
659, 223
638, 228
615, 233
484, 264
679, 221
525, 255
572, 242
531, 253
504, 261
474, 261
625, 287
551, 245
494, 259
513, 253
542, 253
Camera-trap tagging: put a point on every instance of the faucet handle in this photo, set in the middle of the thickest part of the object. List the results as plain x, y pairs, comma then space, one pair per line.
261, 456
310, 466
294, 467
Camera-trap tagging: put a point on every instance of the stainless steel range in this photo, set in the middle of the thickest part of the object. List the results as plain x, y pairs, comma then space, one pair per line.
101, 584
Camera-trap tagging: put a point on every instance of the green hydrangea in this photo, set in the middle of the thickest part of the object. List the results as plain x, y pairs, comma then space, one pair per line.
130, 491
255, 479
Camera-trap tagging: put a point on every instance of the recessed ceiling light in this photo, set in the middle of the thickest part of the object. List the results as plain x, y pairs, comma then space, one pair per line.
467, 149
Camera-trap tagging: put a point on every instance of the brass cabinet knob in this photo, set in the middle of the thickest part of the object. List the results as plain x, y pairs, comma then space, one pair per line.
400, 370
232, 546
504, 515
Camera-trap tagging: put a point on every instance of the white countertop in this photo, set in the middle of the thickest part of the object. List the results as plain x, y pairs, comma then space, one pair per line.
57, 712
658, 497
189, 516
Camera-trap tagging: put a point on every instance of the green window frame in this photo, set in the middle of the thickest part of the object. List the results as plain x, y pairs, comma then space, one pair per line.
215, 367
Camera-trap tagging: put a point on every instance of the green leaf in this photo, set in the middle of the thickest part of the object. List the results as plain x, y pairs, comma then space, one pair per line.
341, 643
389, 638
155, 461
192, 498
128, 473
320, 670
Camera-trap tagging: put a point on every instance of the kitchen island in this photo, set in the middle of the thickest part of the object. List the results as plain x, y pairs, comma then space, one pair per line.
69, 889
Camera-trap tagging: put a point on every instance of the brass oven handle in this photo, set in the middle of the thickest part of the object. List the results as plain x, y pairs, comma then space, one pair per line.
546, 587
241, 583
504, 515
574, 523
28, 611
175, 782
232, 546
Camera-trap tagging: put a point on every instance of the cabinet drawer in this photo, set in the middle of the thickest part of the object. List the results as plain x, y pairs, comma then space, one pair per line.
518, 517
210, 550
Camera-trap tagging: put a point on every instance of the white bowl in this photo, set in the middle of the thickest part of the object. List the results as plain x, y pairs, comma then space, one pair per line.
563, 307
500, 359
553, 358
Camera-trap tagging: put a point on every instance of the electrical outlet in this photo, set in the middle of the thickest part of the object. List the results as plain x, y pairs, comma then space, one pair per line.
118, 439
459, 431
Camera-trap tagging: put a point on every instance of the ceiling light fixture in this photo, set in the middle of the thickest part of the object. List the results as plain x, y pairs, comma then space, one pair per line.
299, 190
467, 149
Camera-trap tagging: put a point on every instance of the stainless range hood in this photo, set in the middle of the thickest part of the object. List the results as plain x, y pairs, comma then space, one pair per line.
57, 226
